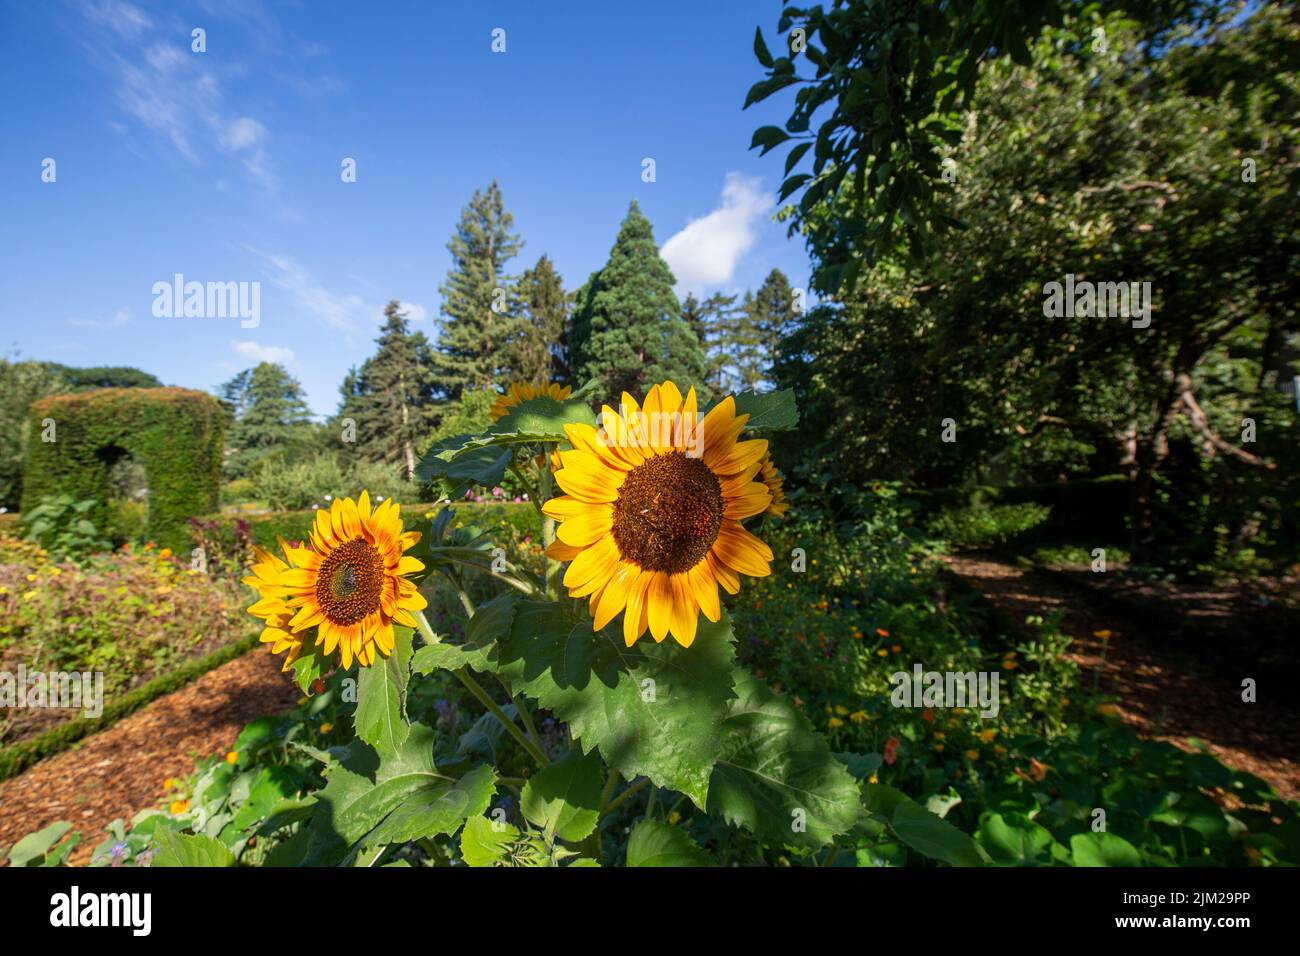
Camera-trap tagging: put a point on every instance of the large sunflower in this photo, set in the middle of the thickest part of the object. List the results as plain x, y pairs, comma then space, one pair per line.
350, 584
652, 511
522, 391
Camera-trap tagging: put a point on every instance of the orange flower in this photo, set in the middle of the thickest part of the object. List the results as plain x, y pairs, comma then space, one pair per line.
179, 806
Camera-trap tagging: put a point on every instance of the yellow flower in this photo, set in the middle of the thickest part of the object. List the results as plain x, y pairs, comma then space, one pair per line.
841, 710
873, 779
769, 476
999, 749
1108, 710
522, 391
834, 723
1103, 635
651, 514
168, 783
179, 806
882, 653
1009, 664
232, 757
858, 716
986, 736
165, 553
272, 607
351, 585
326, 727
940, 735
674, 818
972, 755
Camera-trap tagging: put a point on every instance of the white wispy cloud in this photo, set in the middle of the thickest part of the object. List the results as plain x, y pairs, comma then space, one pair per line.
256, 352
347, 312
115, 321
706, 252
173, 92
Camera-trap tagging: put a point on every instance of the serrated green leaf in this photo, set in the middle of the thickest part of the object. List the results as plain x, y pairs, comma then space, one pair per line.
655, 843
431, 811
776, 776
180, 849
563, 798
312, 665
380, 717
652, 709
769, 411
361, 790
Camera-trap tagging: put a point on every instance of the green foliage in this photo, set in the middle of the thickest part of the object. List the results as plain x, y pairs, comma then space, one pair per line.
63, 527
1137, 164
266, 417
173, 434
539, 353
628, 332
389, 404
21, 384
890, 80
984, 527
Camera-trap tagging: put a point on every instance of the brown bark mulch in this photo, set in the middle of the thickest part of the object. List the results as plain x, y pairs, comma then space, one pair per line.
120, 771
1161, 693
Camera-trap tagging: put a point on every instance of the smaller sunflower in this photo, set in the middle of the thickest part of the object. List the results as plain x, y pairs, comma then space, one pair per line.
523, 391
769, 476
350, 585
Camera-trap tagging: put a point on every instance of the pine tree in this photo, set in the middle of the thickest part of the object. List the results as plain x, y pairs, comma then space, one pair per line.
628, 332
480, 304
711, 320
538, 353
391, 398
265, 410
774, 316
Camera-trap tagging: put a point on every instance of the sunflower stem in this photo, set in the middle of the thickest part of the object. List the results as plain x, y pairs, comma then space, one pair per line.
521, 707
546, 487
624, 796
474, 687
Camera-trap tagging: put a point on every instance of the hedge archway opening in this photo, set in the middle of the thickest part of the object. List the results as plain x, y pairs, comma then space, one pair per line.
150, 457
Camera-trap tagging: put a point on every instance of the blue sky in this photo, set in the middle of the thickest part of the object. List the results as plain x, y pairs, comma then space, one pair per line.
225, 165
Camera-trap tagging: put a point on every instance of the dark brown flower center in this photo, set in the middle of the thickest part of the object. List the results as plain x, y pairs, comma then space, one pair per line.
350, 582
668, 513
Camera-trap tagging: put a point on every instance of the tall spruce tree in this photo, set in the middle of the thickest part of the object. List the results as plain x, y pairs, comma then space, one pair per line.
391, 397
628, 331
712, 322
480, 303
774, 317
538, 352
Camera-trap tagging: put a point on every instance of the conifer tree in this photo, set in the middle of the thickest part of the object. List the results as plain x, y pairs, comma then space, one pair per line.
628, 332
538, 354
480, 306
391, 397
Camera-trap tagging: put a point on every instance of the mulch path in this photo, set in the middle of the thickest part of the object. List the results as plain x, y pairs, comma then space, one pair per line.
1162, 691
120, 771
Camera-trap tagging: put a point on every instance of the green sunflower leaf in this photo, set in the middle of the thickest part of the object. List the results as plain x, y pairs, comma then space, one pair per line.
768, 411
934, 837
652, 709
776, 776
482, 460
484, 843
181, 849
563, 798
362, 790
381, 696
312, 665
655, 843
1103, 849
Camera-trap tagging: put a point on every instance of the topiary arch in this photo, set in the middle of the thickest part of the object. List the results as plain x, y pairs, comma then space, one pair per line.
173, 433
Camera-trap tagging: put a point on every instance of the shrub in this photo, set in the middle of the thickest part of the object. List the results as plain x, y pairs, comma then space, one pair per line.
64, 528
983, 527
173, 434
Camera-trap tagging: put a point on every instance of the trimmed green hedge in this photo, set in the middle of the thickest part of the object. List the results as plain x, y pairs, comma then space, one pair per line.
173, 433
